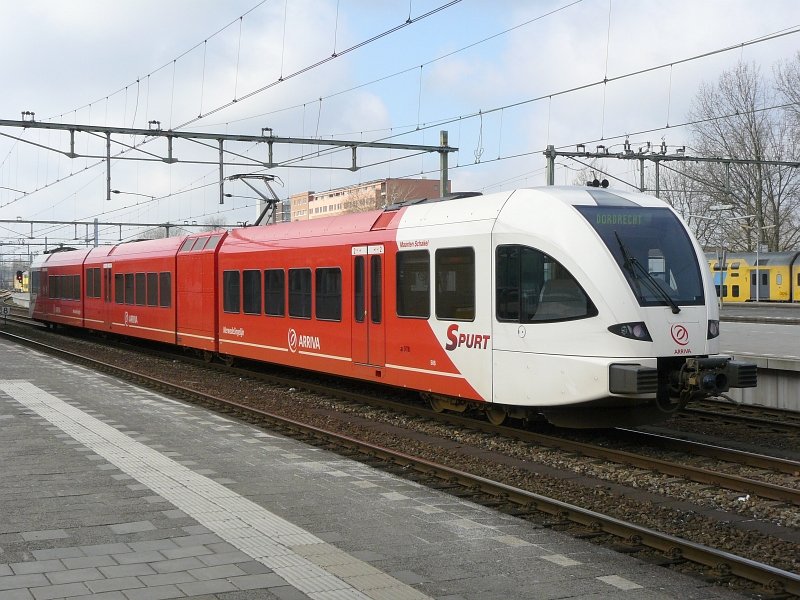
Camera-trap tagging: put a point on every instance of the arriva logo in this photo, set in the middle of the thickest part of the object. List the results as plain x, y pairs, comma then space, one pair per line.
131, 319
680, 334
471, 340
309, 342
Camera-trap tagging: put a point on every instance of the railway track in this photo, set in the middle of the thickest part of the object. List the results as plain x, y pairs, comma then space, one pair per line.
515, 500
752, 416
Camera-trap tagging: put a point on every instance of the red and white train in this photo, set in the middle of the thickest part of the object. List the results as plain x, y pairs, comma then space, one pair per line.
587, 306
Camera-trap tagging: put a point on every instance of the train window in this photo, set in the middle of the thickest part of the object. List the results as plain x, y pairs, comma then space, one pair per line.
141, 289
51, 286
764, 278
76, 287
359, 289
779, 279
300, 293
375, 288
455, 284
98, 291
67, 291
230, 291
328, 289
634, 236
735, 289
62, 286
531, 287
129, 288
212, 242
187, 244
798, 279
89, 283
152, 289
274, 283
413, 284
164, 289
119, 288
752, 279
251, 292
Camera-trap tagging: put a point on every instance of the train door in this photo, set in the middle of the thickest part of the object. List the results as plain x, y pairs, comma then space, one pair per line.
107, 294
369, 341
759, 284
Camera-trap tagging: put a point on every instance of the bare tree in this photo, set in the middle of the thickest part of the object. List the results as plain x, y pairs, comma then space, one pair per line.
730, 121
683, 186
360, 200
787, 75
213, 223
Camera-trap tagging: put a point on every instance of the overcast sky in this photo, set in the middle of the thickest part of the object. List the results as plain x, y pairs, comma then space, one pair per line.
182, 62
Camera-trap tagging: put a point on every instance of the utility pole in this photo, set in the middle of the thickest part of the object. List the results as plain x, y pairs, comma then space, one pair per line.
551, 154
443, 187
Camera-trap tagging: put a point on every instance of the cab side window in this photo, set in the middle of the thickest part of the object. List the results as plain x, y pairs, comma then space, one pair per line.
532, 287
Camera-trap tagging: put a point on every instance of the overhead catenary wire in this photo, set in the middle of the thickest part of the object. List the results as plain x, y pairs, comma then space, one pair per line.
407, 70
321, 62
764, 38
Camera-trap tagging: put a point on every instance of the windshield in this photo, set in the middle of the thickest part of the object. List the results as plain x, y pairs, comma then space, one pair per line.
653, 250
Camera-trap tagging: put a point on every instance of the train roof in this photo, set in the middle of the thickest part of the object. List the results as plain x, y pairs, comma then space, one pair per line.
775, 259
456, 208
139, 247
67, 257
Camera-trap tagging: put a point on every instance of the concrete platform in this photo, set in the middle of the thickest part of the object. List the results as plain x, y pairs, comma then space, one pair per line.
113, 492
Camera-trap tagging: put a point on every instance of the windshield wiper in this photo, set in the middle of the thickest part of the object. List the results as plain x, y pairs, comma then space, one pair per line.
631, 264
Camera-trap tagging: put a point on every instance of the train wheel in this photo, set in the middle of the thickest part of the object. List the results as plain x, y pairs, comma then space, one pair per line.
227, 359
437, 404
496, 415
208, 356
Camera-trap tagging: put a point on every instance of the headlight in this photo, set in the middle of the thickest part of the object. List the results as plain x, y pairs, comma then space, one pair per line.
713, 329
634, 331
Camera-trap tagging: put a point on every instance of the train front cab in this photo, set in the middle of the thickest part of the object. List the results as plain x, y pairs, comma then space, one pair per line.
634, 340
735, 281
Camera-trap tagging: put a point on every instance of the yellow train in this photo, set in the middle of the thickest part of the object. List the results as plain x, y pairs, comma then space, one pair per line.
747, 277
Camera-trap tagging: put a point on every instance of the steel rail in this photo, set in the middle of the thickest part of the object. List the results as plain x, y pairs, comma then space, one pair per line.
751, 459
793, 426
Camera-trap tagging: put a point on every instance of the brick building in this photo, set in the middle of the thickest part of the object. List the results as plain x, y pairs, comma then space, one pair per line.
360, 197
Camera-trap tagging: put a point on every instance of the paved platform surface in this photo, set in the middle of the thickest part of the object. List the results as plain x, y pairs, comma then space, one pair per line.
116, 493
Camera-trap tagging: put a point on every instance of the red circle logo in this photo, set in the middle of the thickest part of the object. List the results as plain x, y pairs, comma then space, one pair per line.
680, 334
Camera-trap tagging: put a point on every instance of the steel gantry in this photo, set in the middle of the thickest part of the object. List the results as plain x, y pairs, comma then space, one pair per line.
214, 141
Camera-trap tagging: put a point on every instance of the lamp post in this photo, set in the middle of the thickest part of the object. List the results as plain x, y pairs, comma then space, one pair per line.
718, 208
133, 194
